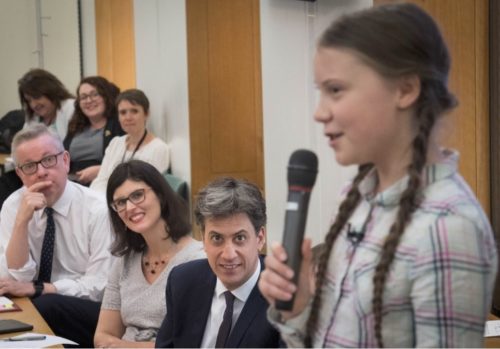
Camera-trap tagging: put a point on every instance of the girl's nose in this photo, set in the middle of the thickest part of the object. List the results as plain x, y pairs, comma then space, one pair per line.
322, 112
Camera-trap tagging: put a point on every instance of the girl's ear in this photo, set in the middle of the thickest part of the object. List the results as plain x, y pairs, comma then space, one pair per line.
409, 91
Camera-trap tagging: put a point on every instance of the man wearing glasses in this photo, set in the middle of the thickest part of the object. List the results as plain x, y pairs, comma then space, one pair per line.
54, 238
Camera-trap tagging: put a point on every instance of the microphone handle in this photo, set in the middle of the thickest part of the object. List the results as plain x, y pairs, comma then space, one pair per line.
295, 224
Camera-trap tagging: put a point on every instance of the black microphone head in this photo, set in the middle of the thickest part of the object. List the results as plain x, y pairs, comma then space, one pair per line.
302, 168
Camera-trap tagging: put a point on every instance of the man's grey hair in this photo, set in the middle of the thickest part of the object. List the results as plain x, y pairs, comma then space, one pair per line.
228, 196
31, 132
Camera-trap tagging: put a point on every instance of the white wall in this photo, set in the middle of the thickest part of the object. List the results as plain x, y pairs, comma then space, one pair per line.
19, 44
17, 18
161, 66
61, 42
289, 31
89, 44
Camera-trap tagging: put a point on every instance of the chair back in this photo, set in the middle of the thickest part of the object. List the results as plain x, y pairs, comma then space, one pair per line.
178, 185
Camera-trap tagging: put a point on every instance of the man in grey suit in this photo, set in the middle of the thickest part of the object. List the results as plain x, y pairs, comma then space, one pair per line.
215, 302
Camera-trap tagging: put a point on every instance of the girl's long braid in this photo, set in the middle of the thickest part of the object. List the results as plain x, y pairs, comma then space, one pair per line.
345, 211
410, 200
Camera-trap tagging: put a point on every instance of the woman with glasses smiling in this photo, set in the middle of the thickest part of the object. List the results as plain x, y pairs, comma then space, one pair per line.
153, 235
93, 125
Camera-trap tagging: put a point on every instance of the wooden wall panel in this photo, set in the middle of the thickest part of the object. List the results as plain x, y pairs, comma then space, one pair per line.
232, 101
115, 41
225, 103
464, 24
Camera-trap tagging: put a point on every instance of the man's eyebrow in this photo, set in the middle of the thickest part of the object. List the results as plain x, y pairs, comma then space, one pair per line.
43, 157
241, 231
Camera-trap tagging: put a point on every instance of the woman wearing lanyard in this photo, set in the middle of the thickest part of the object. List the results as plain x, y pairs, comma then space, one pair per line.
138, 143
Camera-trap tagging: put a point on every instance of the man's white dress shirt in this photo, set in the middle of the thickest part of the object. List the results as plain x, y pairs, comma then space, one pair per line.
83, 237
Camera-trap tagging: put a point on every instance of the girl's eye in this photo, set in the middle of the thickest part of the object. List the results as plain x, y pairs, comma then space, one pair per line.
333, 89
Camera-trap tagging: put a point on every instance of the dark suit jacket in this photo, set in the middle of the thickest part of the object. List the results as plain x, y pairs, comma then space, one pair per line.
190, 288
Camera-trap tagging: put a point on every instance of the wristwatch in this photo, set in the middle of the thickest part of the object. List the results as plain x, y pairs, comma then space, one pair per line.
38, 285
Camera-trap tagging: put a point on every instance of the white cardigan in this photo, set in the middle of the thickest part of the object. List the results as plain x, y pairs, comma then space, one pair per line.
156, 152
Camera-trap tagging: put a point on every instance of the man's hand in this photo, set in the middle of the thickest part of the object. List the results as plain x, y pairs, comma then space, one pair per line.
276, 280
22, 288
16, 288
17, 252
32, 201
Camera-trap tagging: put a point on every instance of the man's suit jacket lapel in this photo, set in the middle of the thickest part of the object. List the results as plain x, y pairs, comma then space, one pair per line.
202, 303
254, 304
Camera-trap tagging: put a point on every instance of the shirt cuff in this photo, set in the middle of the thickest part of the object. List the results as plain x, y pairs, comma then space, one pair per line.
26, 273
292, 330
65, 287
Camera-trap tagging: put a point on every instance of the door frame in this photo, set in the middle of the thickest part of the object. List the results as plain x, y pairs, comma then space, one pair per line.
494, 87
494, 43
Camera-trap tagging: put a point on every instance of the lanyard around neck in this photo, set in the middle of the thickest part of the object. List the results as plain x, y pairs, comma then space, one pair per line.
136, 147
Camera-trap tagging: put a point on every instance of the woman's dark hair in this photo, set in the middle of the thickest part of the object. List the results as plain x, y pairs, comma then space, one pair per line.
134, 96
396, 40
107, 90
37, 83
173, 208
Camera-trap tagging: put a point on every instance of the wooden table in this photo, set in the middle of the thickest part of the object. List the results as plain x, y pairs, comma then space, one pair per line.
30, 315
492, 342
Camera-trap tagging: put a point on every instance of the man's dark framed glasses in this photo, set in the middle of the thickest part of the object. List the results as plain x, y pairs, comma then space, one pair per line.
49, 161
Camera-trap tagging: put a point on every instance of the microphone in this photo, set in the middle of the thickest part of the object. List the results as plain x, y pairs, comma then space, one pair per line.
302, 171
354, 236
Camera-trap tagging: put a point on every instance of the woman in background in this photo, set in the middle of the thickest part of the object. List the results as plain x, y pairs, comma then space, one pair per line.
138, 143
152, 230
93, 125
45, 99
